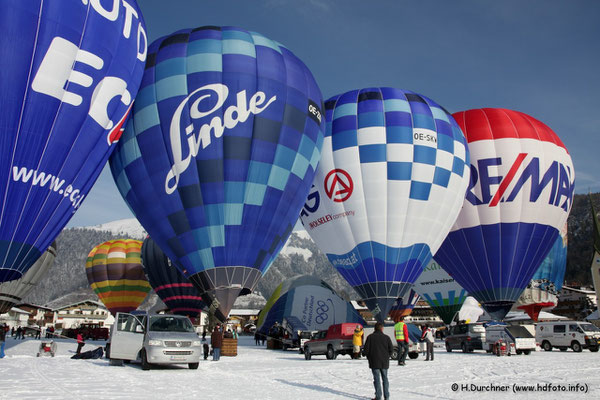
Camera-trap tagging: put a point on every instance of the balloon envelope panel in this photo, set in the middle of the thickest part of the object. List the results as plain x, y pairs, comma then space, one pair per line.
307, 306
441, 291
13, 292
519, 197
220, 153
174, 289
389, 186
114, 271
404, 305
69, 76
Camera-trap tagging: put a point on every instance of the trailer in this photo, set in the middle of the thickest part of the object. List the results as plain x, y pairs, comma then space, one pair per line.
517, 338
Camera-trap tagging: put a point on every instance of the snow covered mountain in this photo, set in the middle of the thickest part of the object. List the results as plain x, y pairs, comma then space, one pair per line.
127, 228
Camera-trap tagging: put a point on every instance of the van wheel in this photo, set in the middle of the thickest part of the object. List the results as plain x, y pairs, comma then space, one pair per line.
448, 348
145, 363
307, 354
526, 352
519, 352
546, 345
395, 353
193, 365
331, 355
576, 347
413, 355
464, 348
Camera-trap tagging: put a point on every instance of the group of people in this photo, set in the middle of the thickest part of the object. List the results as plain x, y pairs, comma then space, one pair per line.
378, 349
216, 341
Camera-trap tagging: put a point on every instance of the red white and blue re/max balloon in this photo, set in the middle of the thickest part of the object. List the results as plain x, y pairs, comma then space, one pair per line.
519, 197
69, 73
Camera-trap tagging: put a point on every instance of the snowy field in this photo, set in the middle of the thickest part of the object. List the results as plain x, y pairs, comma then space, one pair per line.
257, 373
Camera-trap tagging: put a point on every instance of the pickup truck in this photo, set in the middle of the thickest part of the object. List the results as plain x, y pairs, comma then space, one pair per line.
337, 339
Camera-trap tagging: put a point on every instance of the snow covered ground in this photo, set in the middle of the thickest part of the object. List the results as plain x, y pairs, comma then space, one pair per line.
257, 373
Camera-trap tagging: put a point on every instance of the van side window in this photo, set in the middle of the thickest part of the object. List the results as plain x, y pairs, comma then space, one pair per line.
127, 323
573, 328
560, 329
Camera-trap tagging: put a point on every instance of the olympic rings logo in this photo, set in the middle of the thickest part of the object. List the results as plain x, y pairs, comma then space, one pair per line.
321, 310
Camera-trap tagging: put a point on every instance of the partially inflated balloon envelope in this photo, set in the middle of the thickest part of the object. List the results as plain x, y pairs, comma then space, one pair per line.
220, 154
13, 292
542, 291
389, 186
441, 291
70, 71
114, 271
519, 197
174, 289
404, 305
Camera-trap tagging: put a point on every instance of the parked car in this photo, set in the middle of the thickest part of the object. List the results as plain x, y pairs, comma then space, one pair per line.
518, 338
154, 339
466, 337
337, 339
414, 334
88, 331
577, 335
294, 334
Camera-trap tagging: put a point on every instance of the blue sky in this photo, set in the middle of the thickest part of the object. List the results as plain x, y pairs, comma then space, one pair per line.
540, 57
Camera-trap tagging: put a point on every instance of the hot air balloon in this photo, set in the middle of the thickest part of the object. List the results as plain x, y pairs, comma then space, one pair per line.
114, 271
441, 291
220, 154
391, 180
174, 289
542, 291
308, 304
69, 75
13, 292
519, 197
404, 305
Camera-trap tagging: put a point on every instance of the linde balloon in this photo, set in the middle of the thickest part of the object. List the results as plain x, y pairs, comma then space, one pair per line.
220, 154
70, 72
391, 181
519, 197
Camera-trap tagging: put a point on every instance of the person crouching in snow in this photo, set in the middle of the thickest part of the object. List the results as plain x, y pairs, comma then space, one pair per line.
80, 343
357, 341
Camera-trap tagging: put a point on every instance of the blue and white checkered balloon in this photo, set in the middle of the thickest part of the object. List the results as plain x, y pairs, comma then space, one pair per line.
390, 184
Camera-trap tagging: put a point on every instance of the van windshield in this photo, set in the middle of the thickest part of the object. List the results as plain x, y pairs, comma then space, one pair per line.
589, 328
170, 324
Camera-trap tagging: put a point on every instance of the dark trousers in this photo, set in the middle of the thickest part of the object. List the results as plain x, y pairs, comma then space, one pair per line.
378, 376
402, 351
79, 347
429, 350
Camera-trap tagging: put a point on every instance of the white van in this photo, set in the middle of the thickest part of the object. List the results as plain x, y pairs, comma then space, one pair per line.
518, 337
577, 335
153, 339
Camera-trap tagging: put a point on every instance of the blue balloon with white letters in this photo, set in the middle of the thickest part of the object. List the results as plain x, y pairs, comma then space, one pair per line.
220, 154
68, 76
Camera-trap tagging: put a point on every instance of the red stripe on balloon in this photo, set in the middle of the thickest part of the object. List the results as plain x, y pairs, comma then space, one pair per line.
172, 285
508, 179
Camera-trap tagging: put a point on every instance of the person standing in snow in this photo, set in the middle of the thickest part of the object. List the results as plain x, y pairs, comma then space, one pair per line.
401, 332
80, 343
3, 330
378, 349
216, 340
428, 338
357, 341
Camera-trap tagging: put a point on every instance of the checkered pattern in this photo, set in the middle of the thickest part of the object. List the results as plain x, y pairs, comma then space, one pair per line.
238, 201
408, 161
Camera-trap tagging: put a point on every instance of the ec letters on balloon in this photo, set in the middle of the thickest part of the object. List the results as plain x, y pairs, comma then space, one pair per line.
233, 115
59, 76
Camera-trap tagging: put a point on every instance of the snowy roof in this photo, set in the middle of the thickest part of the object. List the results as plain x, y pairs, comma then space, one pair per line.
35, 306
578, 290
80, 302
19, 311
243, 312
358, 306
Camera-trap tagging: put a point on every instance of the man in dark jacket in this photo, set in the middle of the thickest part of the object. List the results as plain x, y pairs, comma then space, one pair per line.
216, 340
378, 349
